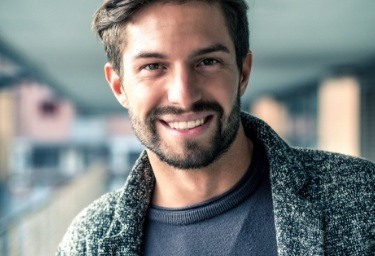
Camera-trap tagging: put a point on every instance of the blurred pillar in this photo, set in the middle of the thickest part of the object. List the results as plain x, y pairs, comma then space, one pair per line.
339, 115
6, 131
271, 111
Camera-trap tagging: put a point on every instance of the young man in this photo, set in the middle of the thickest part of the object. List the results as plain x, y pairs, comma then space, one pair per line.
213, 180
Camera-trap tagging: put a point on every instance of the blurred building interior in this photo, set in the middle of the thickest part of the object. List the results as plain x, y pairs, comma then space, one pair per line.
64, 139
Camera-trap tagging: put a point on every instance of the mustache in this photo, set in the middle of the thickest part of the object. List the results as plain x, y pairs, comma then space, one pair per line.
196, 107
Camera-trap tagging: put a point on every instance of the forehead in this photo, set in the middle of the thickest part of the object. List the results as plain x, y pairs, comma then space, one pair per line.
177, 26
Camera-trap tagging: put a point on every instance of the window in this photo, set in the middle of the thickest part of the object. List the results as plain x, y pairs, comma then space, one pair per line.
368, 119
45, 157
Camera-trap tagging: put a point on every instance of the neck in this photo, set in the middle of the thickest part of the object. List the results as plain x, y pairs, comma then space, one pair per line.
180, 188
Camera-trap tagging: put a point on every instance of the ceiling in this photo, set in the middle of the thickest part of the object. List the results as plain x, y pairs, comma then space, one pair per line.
293, 42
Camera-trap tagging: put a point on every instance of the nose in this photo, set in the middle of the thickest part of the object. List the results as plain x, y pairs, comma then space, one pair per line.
184, 89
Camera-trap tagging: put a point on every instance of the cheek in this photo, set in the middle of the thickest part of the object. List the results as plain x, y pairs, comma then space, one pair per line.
142, 100
225, 92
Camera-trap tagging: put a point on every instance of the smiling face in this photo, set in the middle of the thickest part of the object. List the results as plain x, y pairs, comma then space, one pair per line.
180, 82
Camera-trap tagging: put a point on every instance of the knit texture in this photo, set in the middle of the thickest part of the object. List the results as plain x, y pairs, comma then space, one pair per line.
324, 204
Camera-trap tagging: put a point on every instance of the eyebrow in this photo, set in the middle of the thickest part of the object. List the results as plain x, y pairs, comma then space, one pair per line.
148, 55
213, 48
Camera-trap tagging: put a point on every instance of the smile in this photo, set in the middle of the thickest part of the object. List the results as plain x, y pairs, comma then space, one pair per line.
186, 124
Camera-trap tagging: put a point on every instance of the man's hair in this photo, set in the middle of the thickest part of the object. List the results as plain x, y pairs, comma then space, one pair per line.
111, 18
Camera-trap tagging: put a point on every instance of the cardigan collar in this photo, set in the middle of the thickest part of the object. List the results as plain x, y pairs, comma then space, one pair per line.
296, 200
125, 232
296, 217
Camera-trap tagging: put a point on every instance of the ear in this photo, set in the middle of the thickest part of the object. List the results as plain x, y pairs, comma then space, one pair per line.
114, 82
245, 72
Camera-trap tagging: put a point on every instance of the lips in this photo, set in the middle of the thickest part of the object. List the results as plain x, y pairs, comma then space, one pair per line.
186, 125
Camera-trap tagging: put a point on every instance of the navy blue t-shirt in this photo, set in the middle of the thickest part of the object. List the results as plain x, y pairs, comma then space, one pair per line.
239, 222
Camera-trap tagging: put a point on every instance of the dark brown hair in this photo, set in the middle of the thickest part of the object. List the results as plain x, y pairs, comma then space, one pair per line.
113, 15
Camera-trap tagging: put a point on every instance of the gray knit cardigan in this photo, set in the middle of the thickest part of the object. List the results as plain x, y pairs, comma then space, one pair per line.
323, 204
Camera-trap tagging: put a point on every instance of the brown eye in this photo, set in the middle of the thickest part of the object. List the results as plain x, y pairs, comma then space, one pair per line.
153, 66
209, 62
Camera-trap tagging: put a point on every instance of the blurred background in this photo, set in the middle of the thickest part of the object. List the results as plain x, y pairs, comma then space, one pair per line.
64, 139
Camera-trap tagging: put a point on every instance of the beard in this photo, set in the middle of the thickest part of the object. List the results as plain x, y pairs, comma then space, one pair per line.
196, 154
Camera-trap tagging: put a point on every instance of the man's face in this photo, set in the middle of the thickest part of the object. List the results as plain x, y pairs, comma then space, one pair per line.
180, 82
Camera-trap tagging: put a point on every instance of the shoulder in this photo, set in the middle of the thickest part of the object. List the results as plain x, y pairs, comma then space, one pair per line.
346, 194
338, 172
91, 224
346, 186
335, 163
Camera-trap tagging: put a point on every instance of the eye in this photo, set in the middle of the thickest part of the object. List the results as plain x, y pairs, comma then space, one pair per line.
152, 66
208, 62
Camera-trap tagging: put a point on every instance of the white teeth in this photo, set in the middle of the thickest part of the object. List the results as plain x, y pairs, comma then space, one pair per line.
186, 125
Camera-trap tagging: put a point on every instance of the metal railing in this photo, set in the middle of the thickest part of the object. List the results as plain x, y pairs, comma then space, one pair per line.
39, 231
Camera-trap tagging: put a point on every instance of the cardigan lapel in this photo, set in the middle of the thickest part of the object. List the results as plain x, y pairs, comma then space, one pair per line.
298, 216
297, 211
126, 231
